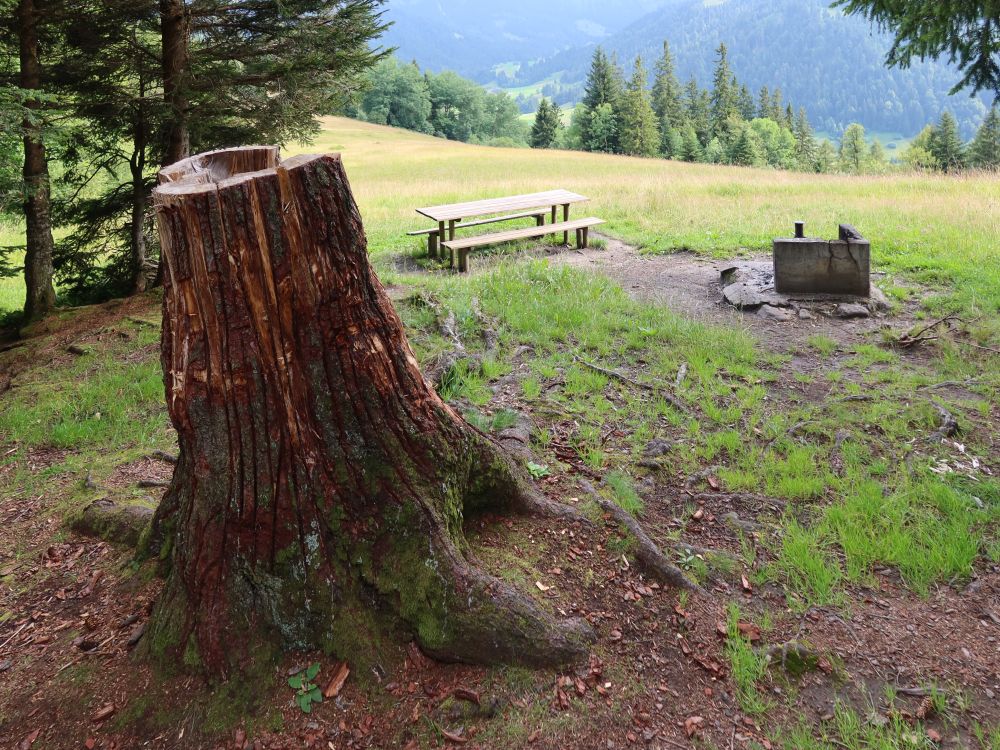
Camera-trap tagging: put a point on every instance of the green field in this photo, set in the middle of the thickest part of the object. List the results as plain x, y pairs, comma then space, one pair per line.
936, 229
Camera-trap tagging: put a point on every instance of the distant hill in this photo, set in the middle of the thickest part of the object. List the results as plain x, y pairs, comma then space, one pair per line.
472, 37
830, 63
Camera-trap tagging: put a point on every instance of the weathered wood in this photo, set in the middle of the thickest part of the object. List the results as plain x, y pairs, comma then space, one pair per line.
321, 484
501, 205
536, 215
463, 246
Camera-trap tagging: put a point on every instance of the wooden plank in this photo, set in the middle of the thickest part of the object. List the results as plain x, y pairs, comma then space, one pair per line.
536, 215
499, 205
520, 234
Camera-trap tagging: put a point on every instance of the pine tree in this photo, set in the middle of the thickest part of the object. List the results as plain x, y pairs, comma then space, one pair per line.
725, 96
602, 89
853, 149
666, 98
805, 143
672, 143
747, 150
789, 119
764, 102
639, 135
946, 144
826, 158
691, 149
984, 153
777, 109
545, 131
699, 111
746, 105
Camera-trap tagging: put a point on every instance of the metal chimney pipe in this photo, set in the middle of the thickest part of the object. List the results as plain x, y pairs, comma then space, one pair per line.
800, 230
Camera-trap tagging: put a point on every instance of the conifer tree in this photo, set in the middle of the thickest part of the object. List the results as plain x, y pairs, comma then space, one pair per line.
764, 102
639, 134
746, 104
789, 119
946, 144
805, 142
545, 131
826, 157
747, 150
699, 111
603, 89
666, 98
853, 149
984, 153
777, 109
725, 96
691, 149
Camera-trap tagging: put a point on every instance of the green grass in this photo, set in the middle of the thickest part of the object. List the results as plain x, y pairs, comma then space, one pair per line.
940, 230
747, 665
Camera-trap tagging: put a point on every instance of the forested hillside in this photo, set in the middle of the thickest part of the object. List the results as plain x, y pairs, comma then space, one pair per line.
832, 65
471, 37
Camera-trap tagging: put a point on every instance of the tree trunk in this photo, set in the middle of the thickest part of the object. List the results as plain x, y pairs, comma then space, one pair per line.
175, 33
321, 487
41, 296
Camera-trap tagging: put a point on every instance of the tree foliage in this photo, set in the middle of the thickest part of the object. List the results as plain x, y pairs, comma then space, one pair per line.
545, 131
984, 153
966, 31
640, 135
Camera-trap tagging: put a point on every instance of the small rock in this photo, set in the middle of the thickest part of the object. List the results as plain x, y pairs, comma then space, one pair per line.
877, 301
777, 314
656, 448
733, 519
805, 314
6, 664
848, 310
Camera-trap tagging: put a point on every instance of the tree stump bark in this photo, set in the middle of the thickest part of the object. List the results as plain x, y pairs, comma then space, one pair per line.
320, 491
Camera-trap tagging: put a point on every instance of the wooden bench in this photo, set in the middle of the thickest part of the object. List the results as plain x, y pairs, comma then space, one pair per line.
433, 233
462, 246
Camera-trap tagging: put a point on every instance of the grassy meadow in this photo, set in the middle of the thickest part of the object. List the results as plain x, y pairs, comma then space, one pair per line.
940, 230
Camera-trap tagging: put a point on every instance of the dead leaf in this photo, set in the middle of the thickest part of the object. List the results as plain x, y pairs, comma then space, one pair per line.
340, 675
452, 737
750, 631
464, 694
714, 483
746, 583
90, 744
534, 736
28, 741
541, 586
692, 724
926, 708
699, 514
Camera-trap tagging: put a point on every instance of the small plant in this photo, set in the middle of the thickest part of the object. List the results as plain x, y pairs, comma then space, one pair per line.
538, 471
306, 691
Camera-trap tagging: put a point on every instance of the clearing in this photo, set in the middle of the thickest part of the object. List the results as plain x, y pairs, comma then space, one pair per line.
857, 604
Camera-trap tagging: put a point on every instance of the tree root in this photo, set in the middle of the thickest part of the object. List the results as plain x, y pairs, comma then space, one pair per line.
647, 553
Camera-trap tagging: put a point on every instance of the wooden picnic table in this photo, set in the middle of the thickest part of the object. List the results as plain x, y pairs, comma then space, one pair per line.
449, 216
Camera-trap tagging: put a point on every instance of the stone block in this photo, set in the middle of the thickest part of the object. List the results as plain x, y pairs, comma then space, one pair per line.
813, 266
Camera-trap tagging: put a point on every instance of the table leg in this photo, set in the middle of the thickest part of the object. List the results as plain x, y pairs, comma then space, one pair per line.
565, 218
432, 245
451, 228
553, 215
442, 235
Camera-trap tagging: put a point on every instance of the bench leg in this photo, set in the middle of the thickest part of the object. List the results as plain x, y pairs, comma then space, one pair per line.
463, 260
565, 218
451, 258
432, 245
579, 239
553, 215
539, 220
586, 237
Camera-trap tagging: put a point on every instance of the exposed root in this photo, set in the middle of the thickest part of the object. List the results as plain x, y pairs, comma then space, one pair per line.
668, 397
647, 553
949, 425
793, 656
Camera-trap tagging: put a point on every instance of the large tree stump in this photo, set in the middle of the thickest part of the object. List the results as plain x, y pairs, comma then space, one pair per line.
319, 496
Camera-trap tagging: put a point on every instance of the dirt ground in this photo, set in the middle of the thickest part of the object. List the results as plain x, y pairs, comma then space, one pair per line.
74, 609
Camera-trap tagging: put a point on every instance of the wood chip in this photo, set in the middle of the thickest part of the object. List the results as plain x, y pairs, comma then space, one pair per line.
340, 675
104, 713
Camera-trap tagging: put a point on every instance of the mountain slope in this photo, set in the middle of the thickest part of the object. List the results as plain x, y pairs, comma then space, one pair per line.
832, 64
471, 37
